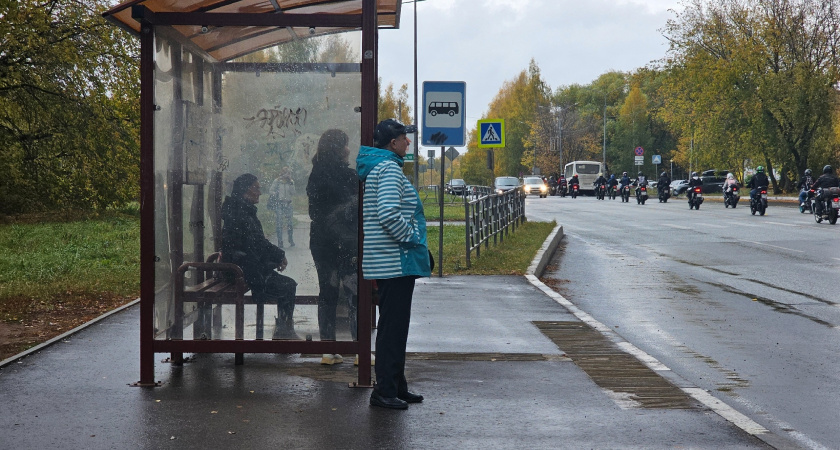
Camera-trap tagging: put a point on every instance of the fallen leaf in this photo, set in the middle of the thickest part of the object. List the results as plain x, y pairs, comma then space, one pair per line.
231, 432
214, 412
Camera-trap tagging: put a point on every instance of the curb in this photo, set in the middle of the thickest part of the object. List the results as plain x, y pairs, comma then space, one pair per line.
545, 252
58, 338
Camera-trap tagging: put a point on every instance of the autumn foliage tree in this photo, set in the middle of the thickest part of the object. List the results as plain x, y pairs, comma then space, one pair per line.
753, 82
69, 110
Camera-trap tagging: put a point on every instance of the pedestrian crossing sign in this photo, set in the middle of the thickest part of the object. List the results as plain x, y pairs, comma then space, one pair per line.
491, 133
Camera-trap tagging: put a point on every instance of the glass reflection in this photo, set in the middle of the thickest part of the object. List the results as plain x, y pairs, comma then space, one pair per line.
290, 132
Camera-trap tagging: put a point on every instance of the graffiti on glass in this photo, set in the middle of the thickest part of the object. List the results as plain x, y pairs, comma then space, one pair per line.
278, 122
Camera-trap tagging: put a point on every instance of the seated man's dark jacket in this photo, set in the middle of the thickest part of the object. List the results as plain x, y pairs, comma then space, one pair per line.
244, 243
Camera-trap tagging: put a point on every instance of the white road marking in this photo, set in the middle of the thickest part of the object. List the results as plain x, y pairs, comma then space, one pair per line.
679, 227
727, 412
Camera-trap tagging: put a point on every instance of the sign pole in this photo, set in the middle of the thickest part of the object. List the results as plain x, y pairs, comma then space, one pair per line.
440, 227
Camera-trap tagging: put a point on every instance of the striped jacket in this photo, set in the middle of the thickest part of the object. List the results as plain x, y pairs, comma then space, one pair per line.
393, 221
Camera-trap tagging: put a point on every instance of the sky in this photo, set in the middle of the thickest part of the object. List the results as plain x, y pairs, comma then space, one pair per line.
488, 42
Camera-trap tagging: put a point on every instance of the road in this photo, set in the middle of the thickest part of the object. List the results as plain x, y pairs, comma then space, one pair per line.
745, 307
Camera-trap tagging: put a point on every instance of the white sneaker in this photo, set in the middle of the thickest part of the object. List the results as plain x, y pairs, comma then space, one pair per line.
328, 359
372, 360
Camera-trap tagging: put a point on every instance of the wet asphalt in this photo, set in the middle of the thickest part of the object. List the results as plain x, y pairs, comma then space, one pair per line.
481, 351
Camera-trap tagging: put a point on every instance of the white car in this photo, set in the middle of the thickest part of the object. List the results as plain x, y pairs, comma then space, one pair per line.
535, 186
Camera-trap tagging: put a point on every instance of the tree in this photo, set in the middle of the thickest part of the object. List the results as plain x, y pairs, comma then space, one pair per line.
756, 79
393, 105
69, 116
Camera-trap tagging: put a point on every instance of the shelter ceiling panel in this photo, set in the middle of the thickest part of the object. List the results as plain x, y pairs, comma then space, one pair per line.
388, 11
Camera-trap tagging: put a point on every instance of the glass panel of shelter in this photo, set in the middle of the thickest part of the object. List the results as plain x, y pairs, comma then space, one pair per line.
215, 122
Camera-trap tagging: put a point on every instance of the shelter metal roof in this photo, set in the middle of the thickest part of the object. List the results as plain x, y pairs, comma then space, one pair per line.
227, 29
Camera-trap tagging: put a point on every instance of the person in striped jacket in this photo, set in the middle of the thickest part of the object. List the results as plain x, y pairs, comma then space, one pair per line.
395, 254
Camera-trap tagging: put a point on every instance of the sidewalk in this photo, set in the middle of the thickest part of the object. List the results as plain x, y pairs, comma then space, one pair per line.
501, 362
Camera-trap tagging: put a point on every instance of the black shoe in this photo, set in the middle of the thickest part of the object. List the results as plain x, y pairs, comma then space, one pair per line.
387, 402
284, 330
410, 397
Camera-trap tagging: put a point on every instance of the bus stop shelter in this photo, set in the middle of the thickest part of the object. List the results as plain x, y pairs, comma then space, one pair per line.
230, 87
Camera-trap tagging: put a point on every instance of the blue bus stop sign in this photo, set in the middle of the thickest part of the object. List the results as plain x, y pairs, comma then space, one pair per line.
444, 113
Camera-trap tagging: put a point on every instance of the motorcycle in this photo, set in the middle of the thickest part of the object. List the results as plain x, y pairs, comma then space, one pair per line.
612, 193
573, 191
641, 195
809, 200
758, 203
730, 196
625, 193
827, 205
552, 189
562, 188
695, 197
600, 191
664, 194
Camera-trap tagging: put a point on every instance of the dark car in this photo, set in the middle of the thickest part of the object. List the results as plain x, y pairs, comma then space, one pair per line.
713, 180
457, 186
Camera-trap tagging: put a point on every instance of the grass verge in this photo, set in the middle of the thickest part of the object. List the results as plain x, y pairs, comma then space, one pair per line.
511, 257
451, 211
44, 265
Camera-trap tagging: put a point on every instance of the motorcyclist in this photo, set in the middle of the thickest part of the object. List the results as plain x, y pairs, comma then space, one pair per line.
826, 180
664, 180
729, 183
692, 182
759, 180
552, 185
641, 180
600, 179
612, 182
624, 182
574, 182
804, 186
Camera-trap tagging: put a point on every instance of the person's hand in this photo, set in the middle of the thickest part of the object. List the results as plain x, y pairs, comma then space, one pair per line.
283, 264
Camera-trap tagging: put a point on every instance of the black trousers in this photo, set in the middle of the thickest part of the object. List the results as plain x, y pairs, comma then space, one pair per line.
276, 288
395, 296
336, 282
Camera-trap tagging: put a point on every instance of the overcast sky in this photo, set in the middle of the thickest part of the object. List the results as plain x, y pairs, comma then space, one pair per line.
487, 42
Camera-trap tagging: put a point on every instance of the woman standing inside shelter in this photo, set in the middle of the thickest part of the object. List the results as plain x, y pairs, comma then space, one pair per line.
333, 237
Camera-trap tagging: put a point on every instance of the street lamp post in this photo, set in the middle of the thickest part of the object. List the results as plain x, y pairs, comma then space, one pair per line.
416, 102
604, 155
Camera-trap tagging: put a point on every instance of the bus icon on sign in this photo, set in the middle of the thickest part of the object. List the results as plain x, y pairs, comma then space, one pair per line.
450, 108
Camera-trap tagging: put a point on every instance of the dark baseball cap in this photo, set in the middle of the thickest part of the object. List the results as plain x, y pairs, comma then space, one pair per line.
390, 129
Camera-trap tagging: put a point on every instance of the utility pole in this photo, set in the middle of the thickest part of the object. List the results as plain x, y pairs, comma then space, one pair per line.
604, 156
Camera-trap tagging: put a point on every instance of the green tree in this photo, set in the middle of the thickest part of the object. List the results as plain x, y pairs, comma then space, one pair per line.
69, 115
754, 79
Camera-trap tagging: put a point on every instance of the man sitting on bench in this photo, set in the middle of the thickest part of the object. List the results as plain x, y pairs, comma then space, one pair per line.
244, 244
